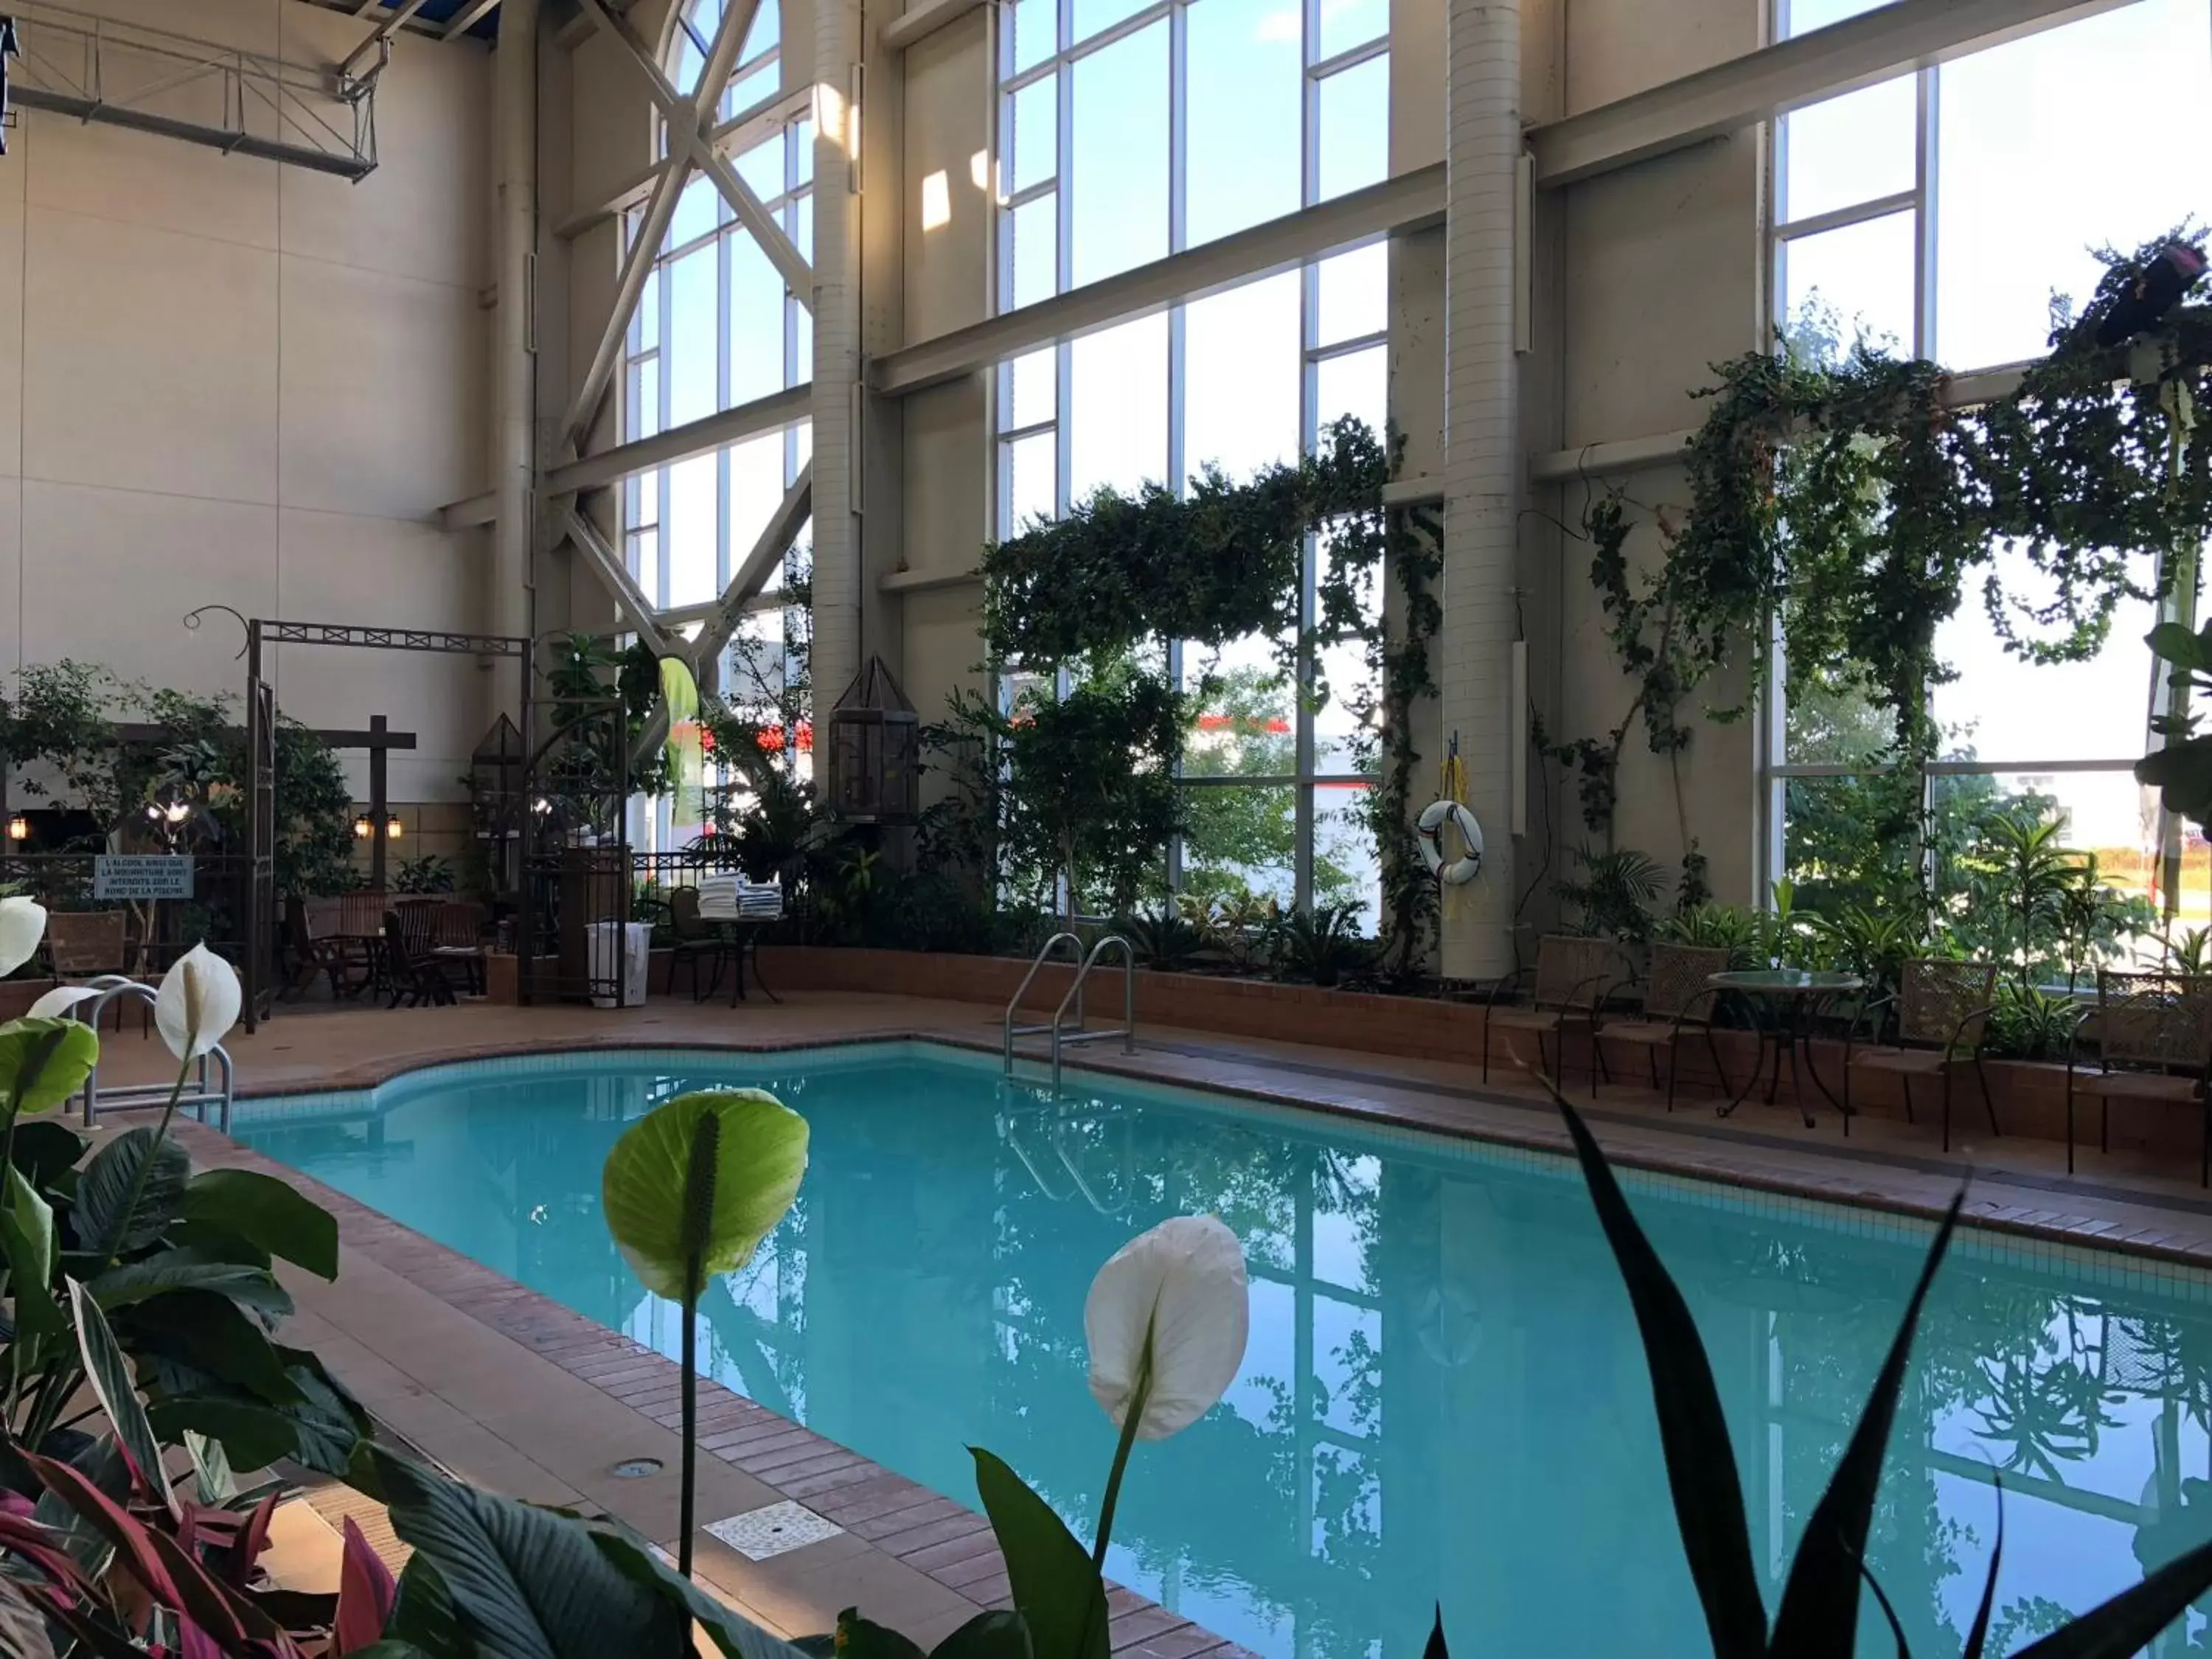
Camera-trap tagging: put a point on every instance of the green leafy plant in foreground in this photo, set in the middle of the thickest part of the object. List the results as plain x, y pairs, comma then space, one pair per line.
689, 1191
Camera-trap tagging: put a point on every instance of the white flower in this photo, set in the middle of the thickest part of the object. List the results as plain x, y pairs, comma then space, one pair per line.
58, 1001
197, 1003
1173, 1303
22, 924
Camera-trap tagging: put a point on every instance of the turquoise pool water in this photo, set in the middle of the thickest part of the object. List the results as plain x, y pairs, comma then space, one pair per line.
1443, 1397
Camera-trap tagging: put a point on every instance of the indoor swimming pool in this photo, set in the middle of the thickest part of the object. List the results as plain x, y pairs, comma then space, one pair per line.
1444, 1396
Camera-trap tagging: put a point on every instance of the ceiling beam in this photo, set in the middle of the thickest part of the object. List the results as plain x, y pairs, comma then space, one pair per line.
925, 17
607, 565
1807, 68
738, 134
680, 443
1407, 202
387, 26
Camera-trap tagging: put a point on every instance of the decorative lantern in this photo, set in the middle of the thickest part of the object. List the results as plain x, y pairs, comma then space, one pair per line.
875, 751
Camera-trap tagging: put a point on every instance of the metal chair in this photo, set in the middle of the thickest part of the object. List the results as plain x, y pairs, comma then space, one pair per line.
696, 939
1942, 1010
1570, 978
2154, 1043
1675, 982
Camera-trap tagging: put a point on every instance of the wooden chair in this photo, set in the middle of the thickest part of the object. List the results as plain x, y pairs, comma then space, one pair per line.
458, 941
1675, 984
696, 939
1942, 1015
1569, 979
411, 971
82, 945
2154, 1043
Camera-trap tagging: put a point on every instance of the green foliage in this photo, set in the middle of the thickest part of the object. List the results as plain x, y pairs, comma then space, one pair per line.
62, 718
431, 873
1162, 936
2180, 768
1098, 591
1321, 946
2028, 1022
1612, 893
1837, 492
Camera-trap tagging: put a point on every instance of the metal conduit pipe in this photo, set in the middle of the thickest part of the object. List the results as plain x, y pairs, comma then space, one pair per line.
1482, 459
514, 360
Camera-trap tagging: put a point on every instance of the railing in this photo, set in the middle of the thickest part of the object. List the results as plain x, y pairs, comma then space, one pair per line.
1012, 1030
1127, 1029
200, 1090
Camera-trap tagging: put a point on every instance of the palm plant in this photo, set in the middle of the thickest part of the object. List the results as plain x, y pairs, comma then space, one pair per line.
1615, 892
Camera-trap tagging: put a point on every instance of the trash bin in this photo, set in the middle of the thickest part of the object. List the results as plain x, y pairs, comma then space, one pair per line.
635, 940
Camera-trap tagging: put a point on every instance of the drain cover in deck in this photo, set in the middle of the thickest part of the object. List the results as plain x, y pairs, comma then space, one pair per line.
772, 1529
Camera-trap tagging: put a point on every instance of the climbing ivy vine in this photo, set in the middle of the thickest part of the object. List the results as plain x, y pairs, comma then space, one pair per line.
1848, 497
1099, 591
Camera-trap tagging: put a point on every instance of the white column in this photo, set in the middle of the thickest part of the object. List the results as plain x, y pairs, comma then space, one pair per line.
837, 594
513, 359
1482, 459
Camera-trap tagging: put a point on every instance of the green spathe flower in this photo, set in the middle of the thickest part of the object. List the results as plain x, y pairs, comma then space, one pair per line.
759, 1156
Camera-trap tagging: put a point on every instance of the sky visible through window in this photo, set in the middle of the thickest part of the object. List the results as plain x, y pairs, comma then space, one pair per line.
2032, 154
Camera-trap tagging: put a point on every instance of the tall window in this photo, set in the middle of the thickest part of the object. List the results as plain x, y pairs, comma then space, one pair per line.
1937, 215
1129, 132
716, 328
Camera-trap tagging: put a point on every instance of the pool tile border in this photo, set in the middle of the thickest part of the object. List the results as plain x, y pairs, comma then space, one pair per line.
882, 1513
2175, 1254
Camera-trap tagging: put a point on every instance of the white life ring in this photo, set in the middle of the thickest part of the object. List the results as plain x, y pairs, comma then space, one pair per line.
1459, 871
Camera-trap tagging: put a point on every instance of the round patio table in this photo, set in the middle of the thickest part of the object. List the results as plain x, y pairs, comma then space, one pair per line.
1784, 1003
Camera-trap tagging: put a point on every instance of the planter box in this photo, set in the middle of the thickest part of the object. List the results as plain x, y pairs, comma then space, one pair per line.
2030, 1096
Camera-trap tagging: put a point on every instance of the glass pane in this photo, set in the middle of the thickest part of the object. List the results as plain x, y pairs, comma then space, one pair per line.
697, 211
756, 322
693, 577
1354, 294
802, 347
690, 60
798, 224
648, 311
1033, 244
765, 31
2001, 708
756, 490
693, 320
2030, 180
1857, 282
802, 150
644, 417
1354, 384
643, 554
1032, 138
1032, 484
1354, 139
1245, 110
1117, 408
1348, 23
1346, 869
1802, 16
1241, 372
1242, 841
802, 450
1033, 389
1246, 723
1852, 841
1117, 173
2105, 813
762, 167
641, 500
1032, 33
1092, 15
1850, 149
1343, 738
752, 87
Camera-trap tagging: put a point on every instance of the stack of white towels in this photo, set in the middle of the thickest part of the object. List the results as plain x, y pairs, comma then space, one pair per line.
726, 896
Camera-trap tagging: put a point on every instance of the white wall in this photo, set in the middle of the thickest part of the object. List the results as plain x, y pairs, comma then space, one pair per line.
225, 381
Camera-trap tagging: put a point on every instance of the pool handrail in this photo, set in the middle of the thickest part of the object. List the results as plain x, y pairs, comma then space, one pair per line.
1126, 1030
1012, 1031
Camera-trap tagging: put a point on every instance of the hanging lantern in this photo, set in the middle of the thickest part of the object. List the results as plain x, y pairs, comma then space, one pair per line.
875, 751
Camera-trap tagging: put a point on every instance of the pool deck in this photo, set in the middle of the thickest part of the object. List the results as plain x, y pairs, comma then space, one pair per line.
514, 1392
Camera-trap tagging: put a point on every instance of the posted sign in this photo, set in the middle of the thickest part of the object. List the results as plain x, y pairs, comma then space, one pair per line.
141, 876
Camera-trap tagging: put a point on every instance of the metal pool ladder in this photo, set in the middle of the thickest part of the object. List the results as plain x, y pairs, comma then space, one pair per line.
201, 1089
1061, 1035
